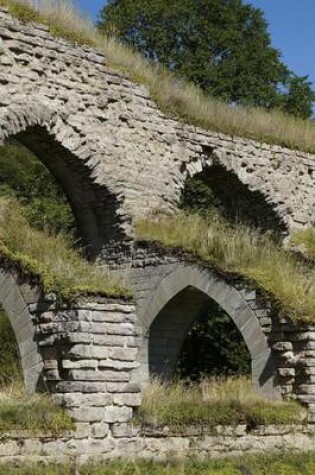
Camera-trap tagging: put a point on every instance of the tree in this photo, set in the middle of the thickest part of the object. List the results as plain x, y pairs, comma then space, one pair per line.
25, 178
221, 45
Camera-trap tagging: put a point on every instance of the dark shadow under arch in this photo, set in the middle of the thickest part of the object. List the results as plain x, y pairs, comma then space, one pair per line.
94, 206
238, 202
105, 228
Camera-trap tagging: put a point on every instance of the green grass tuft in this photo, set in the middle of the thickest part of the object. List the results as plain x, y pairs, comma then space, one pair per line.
34, 413
213, 402
306, 239
58, 266
242, 251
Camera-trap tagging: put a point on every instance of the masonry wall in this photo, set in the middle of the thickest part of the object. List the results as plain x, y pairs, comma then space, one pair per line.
282, 352
157, 444
131, 158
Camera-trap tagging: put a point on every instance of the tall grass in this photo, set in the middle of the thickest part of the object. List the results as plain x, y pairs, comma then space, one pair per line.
59, 267
240, 250
35, 413
214, 401
174, 96
306, 239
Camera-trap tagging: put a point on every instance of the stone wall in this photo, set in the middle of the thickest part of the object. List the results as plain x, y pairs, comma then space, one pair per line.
283, 353
83, 354
157, 444
89, 352
117, 156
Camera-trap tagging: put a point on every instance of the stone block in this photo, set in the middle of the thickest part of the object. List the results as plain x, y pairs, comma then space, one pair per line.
113, 414
89, 375
125, 430
99, 430
125, 399
87, 414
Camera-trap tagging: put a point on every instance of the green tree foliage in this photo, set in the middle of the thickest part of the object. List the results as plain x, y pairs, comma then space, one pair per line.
23, 176
214, 347
10, 368
221, 45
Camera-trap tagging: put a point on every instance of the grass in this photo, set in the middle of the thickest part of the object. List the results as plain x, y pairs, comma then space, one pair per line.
58, 267
10, 367
212, 402
242, 251
276, 464
176, 97
306, 239
18, 409
35, 413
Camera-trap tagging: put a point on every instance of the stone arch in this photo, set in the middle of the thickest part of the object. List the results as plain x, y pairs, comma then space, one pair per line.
186, 289
240, 199
14, 304
101, 222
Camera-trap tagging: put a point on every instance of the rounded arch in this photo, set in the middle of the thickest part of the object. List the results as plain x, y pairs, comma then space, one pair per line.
242, 198
98, 210
17, 310
194, 285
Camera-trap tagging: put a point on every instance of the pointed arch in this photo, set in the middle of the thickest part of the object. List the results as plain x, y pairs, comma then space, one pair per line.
14, 304
165, 319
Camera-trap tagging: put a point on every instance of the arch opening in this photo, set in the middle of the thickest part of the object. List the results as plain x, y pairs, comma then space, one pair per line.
186, 289
95, 207
218, 189
192, 337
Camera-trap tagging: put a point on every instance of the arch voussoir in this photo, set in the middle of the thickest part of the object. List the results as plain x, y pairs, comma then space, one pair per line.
232, 300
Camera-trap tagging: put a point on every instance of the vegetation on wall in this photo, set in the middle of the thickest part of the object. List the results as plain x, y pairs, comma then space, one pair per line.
242, 251
213, 402
306, 239
37, 413
182, 99
58, 267
222, 46
37, 230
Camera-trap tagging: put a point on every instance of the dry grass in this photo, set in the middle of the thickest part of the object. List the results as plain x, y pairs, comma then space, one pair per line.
60, 268
35, 413
180, 98
306, 239
214, 401
237, 249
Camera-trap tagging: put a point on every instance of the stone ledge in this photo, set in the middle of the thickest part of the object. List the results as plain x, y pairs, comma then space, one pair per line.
109, 441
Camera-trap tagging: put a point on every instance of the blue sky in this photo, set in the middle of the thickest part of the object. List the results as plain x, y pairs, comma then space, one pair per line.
291, 24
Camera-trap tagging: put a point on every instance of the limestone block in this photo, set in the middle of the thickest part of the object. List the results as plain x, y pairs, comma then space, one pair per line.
125, 430
89, 375
99, 430
113, 414
125, 399
87, 414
